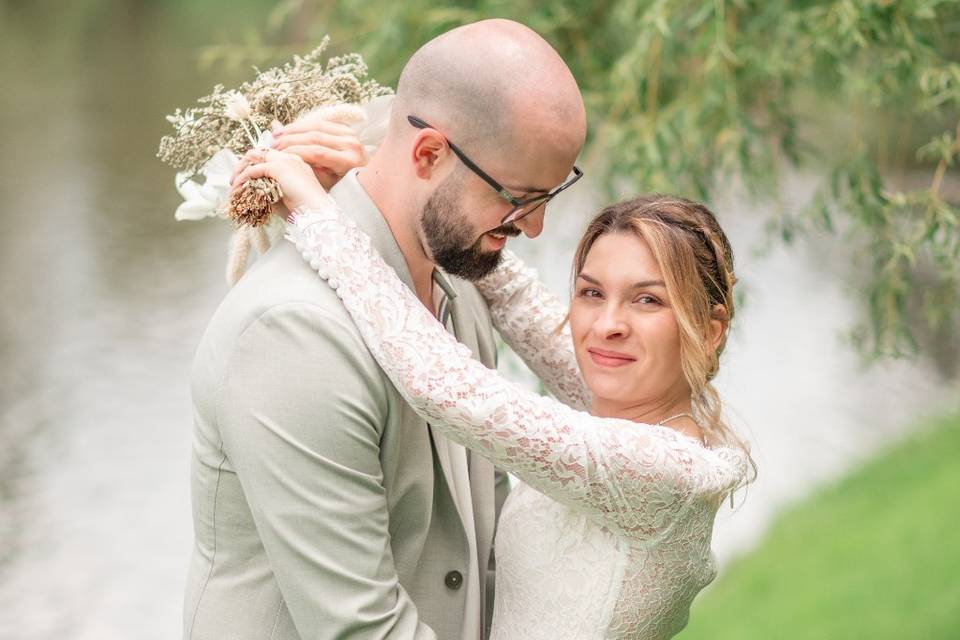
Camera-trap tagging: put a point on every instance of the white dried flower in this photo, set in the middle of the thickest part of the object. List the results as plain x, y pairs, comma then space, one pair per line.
237, 108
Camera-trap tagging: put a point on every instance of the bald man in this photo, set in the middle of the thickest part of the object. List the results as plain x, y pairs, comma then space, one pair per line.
323, 506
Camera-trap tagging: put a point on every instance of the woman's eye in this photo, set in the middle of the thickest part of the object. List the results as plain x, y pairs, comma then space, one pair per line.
647, 300
588, 292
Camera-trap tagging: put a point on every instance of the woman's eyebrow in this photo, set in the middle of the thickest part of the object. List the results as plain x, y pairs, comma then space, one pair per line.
636, 285
643, 284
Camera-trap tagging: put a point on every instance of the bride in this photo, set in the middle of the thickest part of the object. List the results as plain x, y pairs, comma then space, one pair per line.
608, 533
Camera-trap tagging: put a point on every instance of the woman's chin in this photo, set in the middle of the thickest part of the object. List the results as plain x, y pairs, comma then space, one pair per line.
608, 392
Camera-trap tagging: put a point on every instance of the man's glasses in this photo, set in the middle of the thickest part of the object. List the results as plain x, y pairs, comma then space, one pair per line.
521, 208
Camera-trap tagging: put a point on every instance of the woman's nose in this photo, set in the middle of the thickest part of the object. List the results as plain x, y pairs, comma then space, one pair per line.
611, 323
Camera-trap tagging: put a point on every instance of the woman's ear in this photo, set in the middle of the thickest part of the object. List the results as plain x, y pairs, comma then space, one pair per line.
718, 326
429, 148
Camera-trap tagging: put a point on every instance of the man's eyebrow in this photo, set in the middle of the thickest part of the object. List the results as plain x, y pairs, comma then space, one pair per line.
636, 285
525, 190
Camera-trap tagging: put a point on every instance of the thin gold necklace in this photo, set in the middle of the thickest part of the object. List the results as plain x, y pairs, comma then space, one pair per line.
703, 436
679, 415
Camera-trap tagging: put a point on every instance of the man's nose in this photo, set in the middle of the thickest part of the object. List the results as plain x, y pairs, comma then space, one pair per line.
531, 225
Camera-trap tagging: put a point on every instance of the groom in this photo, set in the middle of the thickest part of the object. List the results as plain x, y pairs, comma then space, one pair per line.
323, 506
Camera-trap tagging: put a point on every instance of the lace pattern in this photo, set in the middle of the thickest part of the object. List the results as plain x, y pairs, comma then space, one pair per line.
621, 514
634, 477
533, 322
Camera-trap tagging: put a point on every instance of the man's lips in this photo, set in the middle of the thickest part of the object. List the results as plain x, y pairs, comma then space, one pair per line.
496, 239
605, 358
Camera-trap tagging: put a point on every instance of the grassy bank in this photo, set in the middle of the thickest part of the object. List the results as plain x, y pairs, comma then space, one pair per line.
875, 556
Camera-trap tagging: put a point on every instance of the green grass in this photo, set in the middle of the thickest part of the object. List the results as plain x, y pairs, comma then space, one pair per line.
876, 556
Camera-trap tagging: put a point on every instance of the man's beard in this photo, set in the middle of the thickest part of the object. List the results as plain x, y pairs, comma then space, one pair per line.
447, 231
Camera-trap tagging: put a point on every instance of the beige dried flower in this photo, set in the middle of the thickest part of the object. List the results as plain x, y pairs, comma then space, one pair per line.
252, 204
237, 107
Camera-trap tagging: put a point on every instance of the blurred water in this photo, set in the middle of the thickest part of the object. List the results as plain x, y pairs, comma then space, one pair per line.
105, 297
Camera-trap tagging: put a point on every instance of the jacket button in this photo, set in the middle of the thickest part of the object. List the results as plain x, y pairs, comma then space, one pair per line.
453, 580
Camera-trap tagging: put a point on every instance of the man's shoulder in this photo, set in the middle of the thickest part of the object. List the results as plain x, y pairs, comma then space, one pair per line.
282, 314
281, 286
281, 279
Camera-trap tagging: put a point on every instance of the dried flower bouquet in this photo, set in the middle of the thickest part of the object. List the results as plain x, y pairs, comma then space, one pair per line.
226, 124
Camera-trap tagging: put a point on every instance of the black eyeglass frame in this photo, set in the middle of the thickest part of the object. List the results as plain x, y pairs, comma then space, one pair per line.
518, 205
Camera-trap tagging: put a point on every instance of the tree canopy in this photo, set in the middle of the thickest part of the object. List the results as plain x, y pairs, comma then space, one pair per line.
686, 95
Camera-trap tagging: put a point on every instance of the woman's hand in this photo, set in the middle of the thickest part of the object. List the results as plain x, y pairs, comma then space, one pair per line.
330, 148
297, 180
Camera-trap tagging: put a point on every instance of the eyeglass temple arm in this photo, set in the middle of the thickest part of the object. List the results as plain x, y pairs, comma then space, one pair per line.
503, 193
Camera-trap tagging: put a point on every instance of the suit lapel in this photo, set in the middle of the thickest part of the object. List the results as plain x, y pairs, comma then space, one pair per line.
456, 472
480, 470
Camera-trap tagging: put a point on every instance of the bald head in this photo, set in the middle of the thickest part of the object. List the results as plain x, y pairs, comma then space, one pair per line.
489, 85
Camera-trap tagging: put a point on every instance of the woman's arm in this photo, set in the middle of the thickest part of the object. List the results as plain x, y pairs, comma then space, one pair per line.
633, 477
533, 322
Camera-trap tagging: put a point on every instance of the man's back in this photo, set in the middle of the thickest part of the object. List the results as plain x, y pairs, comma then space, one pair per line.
321, 507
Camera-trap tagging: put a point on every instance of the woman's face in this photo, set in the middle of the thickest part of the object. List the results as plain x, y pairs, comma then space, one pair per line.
625, 333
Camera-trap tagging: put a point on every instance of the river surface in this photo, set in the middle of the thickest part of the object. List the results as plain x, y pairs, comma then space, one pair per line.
105, 297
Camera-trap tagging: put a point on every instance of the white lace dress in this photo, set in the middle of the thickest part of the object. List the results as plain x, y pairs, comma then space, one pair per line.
608, 535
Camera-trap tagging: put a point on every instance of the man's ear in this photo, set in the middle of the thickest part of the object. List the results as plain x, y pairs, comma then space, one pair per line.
428, 151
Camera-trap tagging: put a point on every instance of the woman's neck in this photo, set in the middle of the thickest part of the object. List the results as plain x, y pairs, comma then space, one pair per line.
679, 408
649, 412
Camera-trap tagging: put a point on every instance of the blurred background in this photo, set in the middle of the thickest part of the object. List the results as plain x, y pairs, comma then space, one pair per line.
824, 134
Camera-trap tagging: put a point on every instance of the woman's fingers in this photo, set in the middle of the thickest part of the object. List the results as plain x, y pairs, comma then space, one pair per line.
259, 163
331, 149
331, 155
319, 138
308, 145
297, 180
316, 123
250, 157
336, 161
259, 170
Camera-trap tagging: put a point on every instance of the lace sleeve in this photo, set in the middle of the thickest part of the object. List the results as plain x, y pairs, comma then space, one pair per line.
634, 477
533, 322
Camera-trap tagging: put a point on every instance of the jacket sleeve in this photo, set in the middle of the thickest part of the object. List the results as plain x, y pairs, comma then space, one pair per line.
635, 478
301, 414
533, 321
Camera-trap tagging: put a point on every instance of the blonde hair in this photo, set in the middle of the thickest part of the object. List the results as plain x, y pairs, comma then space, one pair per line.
697, 264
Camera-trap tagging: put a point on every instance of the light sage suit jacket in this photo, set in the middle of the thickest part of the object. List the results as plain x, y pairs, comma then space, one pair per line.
323, 506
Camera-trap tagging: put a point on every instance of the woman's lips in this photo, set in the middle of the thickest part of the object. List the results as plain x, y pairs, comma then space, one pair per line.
604, 358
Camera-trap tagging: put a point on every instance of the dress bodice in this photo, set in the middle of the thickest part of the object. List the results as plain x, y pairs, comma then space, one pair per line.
562, 575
